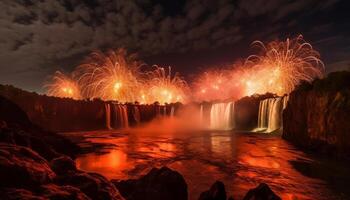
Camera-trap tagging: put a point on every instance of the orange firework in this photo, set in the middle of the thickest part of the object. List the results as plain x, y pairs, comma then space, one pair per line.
111, 76
283, 65
278, 69
63, 86
217, 85
161, 86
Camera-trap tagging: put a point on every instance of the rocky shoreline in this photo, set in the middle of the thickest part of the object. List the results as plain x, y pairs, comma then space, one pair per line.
36, 164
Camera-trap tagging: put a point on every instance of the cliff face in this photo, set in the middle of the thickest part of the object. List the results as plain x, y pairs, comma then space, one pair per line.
318, 115
63, 114
57, 114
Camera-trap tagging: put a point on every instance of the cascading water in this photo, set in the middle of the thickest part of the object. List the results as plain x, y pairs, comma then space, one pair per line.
136, 114
121, 116
270, 114
201, 117
222, 116
172, 111
108, 116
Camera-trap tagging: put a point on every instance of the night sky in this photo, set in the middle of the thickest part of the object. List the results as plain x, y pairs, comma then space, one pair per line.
38, 37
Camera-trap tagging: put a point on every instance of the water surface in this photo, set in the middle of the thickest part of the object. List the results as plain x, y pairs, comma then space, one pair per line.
240, 160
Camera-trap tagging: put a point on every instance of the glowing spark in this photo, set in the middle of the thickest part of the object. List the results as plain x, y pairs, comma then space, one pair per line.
280, 66
63, 86
163, 87
111, 76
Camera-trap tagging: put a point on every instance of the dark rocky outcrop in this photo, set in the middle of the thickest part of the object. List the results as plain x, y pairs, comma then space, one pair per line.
317, 115
22, 167
17, 129
25, 172
262, 192
216, 192
63, 165
65, 192
161, 183
92, 184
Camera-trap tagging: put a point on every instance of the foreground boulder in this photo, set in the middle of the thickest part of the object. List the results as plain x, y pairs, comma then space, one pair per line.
93, 185
216, 192
24, 171
63, 165
161, 183
262, 192
22, 167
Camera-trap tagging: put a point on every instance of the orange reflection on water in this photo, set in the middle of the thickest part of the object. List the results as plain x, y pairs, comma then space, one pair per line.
111, 164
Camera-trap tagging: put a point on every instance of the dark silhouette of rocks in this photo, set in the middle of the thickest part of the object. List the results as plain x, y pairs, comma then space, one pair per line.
262, 192
216, 192
317, 115
162, 183
93, 185
17, 129
22, 167
25, 172
63, 165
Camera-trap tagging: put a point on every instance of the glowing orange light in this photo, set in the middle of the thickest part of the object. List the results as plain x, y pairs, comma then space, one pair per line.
111, 76
279, 67
63, 86
165, 88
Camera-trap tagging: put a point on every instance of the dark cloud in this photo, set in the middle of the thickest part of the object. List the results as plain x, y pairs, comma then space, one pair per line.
36, 37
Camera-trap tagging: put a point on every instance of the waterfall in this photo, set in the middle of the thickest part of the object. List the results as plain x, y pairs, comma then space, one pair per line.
222, 116
172, 111
125, 118
121, 116
270, 114
108, 116
201, 117
164, 111
136, 114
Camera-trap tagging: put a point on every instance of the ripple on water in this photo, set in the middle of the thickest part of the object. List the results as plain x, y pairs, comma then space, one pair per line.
241, 161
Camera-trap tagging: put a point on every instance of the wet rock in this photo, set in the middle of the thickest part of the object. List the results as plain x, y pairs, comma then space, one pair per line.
262, 192
161, 183
20, 166
93, 185
216, 192
16, 194
66, 192
49, 191
63, 165
20, 137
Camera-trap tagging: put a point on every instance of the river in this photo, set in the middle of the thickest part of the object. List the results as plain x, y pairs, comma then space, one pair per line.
240, 160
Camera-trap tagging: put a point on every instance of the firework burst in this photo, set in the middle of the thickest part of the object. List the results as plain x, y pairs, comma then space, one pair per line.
111, 76
217, 85
63, 86
280, 66
284, 64
164, 87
